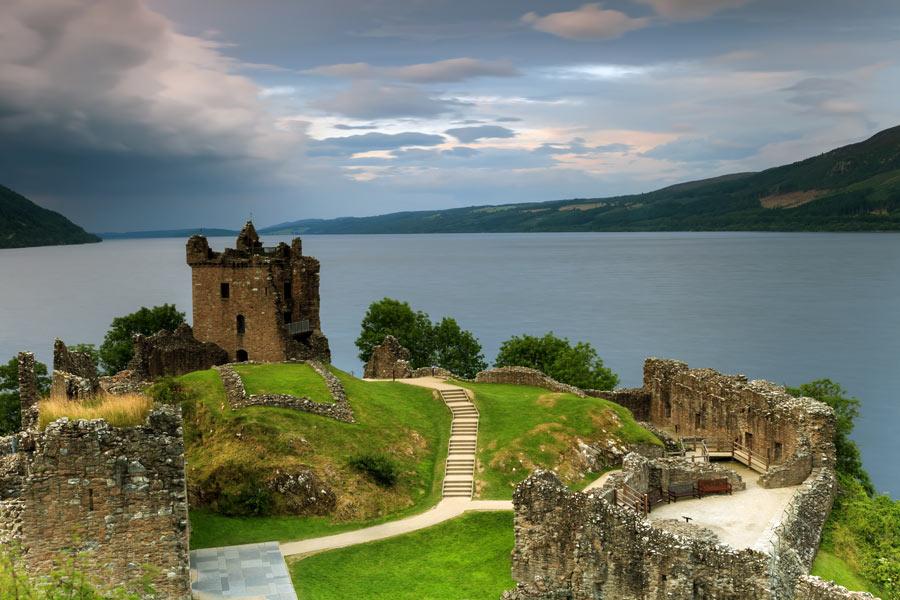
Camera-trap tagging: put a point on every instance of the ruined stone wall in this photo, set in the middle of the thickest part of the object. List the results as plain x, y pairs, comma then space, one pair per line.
29, 393
637, 400
117, 494
814, 588
237, 395
576, 546
389, 360
793, 434
173, 353
269, 288
76, 363
525, 376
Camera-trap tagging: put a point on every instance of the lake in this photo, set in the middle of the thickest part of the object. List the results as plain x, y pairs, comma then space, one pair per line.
788, 307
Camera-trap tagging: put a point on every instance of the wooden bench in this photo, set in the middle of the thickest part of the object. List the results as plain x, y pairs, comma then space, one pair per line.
682, 490
713, 486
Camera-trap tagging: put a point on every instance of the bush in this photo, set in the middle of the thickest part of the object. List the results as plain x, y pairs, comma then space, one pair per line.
117, 347
444, 344
381, 469
577, 365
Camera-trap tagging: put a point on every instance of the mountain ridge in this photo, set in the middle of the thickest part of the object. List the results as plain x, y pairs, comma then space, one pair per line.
24, 224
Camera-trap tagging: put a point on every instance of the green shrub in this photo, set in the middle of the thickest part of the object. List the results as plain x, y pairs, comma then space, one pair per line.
577, 365
380, 468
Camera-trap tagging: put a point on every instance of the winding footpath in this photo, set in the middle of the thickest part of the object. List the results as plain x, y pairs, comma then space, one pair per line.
457, 490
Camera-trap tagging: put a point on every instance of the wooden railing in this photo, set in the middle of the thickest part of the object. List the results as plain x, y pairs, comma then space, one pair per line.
630, 497
754, 460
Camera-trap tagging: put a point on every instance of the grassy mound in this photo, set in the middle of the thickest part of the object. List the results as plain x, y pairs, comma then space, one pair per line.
233, 454
467, 557
829, 566
293, 379
523, 427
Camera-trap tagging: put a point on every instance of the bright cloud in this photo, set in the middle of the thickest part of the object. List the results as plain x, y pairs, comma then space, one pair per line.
590, 22
686, 10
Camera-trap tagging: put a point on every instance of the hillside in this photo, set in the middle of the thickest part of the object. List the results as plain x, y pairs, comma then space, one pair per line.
853, 188
243, 463
23, 223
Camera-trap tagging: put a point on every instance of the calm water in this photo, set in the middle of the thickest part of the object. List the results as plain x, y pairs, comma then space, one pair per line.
785, 307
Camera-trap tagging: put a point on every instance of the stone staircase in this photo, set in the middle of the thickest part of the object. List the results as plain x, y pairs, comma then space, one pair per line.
459, 480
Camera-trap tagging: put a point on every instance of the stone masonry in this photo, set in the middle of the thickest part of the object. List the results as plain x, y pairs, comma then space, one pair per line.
74, 373
173, 353
117, 495
238, 397
389, 360
257, 303
525, 376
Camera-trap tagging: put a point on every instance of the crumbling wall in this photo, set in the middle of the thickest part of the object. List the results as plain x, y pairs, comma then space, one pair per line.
814, 588
793, 435
74, 373
577, 546
29, 393
117, 494
173, 353
389, 360
237, 395
637, 400
525, 376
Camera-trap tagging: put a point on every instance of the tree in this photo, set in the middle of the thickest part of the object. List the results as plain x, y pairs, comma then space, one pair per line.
577, 365
456, 349
846, 409
393, 317
444, 344
117, 348
10, 404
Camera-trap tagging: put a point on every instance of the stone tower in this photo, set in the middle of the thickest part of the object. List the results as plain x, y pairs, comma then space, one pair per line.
257, 303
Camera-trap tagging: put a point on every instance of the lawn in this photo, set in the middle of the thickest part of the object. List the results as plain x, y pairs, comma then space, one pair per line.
278, 378
230, 453
523, 427
467, 558
829, 566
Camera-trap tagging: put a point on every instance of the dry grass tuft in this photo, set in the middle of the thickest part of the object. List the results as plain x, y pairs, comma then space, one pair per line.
126, 410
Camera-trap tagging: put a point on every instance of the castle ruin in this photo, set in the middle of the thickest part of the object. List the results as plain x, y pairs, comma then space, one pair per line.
257, 303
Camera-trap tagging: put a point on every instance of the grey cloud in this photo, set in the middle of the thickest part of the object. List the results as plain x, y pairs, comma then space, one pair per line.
345, 127
687, 10
698, 149
480, 132
824, 95
442, 71
508, 120
577, 146
371, 100
342, 146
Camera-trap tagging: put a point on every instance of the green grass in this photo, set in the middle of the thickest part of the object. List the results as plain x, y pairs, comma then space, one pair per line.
278, 378
230, 453
829, 566
523, 427
467, 558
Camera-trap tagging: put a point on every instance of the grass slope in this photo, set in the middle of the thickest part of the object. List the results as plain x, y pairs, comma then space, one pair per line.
467, 558
857, 188
231, 453
522, 427
292, 379
23, 223
829, 566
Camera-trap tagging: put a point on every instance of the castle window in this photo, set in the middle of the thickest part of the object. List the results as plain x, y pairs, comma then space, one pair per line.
224, 290
241, 324
778, 451
698, 421
287, 317
90, 499
287, 289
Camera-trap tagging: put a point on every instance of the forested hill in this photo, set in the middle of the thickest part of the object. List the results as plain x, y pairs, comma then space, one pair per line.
24, 223
853, 188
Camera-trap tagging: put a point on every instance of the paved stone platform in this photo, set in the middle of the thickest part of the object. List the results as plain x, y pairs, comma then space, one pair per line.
252, 571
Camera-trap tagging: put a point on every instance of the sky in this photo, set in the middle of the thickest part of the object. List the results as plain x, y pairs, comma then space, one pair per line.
132, 115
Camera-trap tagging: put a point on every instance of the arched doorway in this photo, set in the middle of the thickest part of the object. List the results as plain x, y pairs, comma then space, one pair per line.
242, 356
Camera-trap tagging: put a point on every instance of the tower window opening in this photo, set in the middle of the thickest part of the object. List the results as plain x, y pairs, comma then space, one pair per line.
241, 324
